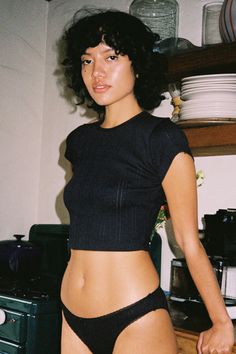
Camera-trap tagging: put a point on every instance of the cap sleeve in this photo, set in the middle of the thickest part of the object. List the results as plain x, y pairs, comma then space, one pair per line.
167, 140
71, 145
75, 141
68, 151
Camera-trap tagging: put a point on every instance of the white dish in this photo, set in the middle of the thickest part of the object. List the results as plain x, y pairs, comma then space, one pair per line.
212, 88
208, 81
208, 111
212, 114
209, 107
208, 103
211, 77
209, 85
209, 115
213, 94
205, 101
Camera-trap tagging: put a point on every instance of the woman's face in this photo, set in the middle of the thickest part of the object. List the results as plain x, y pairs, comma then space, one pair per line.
108, 77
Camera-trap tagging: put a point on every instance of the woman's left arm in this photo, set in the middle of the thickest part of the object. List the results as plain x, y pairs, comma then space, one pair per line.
180, 189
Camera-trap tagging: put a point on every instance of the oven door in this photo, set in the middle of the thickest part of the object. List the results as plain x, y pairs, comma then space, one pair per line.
11, 348
15, 326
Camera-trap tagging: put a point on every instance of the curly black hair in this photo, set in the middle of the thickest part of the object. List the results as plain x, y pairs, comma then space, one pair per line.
127, 35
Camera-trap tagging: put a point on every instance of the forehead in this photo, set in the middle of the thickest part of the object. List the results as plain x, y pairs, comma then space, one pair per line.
101, 48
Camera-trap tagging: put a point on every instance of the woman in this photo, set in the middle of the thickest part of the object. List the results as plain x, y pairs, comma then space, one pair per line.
124, 166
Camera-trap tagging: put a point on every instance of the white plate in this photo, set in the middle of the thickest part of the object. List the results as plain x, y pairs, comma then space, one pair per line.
212, 88
211, 77
210, 107
205, 101
213, 94
209, 85
208, 103
210, 112
208, 81
207, 115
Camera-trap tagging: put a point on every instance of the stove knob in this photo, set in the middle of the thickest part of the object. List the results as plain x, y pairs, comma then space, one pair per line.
2, 317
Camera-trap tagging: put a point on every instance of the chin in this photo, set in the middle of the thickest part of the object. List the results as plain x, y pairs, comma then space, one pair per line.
102, 102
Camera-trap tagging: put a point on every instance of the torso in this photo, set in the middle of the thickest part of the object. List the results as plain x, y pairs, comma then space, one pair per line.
113, 211
96, 283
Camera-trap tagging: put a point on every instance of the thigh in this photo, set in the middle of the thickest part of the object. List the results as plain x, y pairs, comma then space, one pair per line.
70, 342
153, 334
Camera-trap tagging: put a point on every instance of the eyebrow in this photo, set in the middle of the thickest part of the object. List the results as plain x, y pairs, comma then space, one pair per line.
104, 51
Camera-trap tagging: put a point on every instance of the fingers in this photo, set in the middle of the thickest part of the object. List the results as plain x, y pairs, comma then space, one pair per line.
199, 344
205, 346
207, 350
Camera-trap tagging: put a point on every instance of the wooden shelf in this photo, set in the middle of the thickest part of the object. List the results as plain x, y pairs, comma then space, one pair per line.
214, 59
212, 140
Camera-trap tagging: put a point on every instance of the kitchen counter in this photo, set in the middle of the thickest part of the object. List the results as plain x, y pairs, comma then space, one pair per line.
189, 319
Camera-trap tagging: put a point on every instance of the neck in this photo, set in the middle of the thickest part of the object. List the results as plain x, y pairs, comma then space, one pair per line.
117, 113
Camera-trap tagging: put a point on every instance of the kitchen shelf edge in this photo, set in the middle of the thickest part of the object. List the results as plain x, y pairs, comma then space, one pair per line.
212, 140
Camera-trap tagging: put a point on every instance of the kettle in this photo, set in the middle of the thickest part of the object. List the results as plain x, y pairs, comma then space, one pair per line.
19, 258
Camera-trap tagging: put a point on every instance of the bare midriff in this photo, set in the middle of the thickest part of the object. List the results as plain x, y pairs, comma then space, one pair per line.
99, 282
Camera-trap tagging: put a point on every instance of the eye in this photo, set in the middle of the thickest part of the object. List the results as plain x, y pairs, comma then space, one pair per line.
112, 58
86, 61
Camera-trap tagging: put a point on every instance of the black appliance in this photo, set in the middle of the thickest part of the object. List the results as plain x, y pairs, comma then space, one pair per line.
219, 242
182, 286
30, 311
220, 234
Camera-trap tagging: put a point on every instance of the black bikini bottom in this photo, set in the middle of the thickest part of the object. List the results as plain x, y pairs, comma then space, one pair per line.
100, 333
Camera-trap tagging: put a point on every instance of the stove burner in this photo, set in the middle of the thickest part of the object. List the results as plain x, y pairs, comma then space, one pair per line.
40, 288
25, 294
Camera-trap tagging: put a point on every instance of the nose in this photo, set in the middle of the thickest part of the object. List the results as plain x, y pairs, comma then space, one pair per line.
98, 69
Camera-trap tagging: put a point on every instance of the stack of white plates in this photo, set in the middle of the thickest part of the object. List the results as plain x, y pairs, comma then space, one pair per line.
209, 97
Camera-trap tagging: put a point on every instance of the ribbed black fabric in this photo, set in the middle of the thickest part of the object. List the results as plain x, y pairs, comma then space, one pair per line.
100, 333
115, 193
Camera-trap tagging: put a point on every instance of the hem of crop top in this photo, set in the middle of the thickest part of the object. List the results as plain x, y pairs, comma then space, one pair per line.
105, 248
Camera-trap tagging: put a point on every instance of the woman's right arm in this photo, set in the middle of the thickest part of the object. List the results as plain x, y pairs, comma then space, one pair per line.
179, 185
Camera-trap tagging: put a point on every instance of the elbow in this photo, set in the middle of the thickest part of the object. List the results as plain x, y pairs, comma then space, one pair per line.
189, 244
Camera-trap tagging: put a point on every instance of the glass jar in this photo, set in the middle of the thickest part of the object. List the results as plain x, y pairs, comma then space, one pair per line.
160, 15
210, 23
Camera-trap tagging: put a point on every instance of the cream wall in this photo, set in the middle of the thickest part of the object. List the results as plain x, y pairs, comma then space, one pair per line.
22, 62
36, 118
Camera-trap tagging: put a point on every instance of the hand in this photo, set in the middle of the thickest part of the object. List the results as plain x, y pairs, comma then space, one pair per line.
219, 339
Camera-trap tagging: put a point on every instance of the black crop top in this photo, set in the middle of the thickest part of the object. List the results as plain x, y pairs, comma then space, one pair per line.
115, 193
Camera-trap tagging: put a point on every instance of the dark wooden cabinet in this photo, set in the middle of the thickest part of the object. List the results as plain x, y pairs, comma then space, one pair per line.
215, 59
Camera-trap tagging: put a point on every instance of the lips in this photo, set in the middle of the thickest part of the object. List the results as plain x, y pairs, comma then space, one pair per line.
101, 88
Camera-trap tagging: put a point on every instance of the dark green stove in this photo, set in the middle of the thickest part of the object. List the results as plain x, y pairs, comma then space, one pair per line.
30, 311
31, 326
